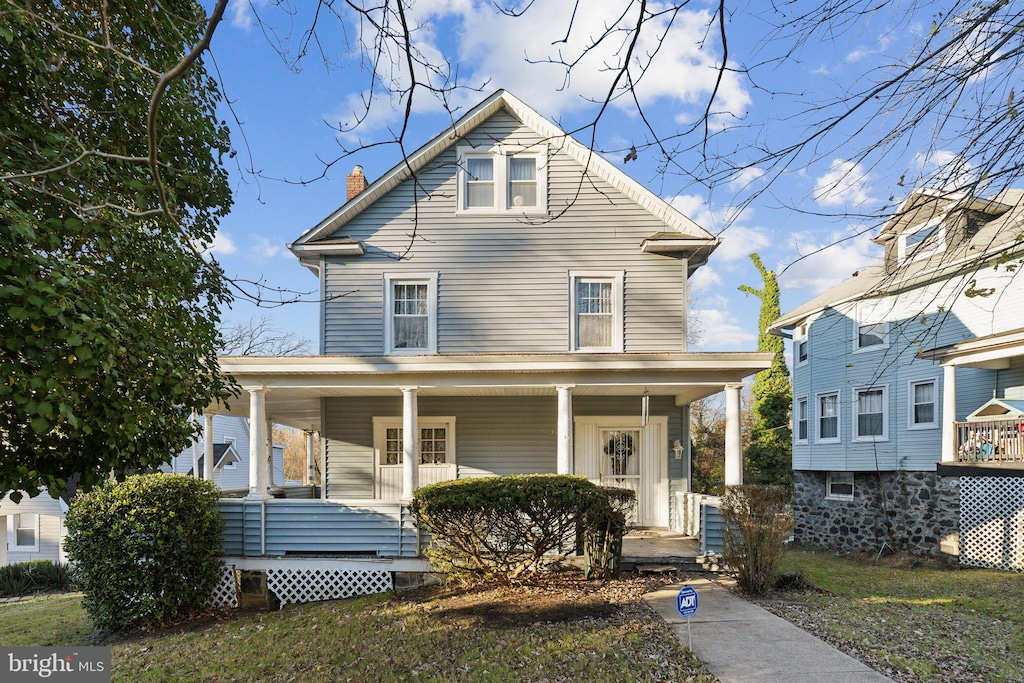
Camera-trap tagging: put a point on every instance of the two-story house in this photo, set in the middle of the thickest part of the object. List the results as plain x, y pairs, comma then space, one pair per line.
889, 364
502, 301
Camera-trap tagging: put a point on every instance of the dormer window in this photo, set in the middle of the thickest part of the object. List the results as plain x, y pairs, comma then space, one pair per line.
872, 331
923, 241
502, 180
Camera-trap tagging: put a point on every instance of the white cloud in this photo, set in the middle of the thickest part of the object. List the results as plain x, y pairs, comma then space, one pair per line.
712, 219
239, 13
745, 177
704, 279
263, 249
843, 185
739, 242
721, 329
827, 263
944, 170
865, 51
222, 245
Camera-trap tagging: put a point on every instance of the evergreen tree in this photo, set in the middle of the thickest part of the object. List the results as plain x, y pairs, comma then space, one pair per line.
769, 455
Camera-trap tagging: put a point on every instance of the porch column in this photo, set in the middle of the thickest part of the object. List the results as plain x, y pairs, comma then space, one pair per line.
270, 453
563, 460
195, 451
948, 413
257, 443
208, 446
410, 442
310, 455
733, 436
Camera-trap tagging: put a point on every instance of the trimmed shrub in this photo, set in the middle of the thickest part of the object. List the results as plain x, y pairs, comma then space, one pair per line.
757, 523
145, 550
37, 575
604, 527
504, 526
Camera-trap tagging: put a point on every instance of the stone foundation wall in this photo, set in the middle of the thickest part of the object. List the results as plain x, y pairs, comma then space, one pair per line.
916, 512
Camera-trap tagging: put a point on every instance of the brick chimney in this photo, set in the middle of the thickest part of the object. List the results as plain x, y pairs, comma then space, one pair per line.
356, 182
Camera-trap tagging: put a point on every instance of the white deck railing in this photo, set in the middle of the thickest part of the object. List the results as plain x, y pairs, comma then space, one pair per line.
990, 441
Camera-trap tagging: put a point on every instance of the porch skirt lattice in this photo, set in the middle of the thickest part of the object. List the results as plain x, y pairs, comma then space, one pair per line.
992, 522
314, 585
224, 594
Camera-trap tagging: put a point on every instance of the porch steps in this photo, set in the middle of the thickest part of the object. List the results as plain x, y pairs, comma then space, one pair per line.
663, 565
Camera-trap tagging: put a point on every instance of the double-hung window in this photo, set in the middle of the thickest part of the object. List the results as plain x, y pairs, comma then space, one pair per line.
596, 311
828, 418
922, 412
23, 532
800, 345
871, 329
801, 420
871, 414
410, 324
503, 179
923, 241
839, 486
479, 182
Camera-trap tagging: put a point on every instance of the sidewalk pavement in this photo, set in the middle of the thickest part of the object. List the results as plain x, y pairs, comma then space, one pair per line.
744, 643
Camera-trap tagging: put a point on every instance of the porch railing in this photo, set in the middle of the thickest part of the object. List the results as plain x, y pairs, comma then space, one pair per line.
279, 527
990, 441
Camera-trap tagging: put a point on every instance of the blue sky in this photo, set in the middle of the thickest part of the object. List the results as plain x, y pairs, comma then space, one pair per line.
284, 114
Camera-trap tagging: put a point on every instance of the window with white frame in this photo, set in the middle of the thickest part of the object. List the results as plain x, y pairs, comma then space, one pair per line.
801, 420
23, 532
437, 441
411, 322
232, 464
828, 418
839, 486
871, 329
922, 412
596, 311
871, 414
503, 179
923, 241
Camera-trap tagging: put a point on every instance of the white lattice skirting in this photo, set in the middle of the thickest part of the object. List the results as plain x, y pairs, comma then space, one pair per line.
314, 585
992, 522
224, 594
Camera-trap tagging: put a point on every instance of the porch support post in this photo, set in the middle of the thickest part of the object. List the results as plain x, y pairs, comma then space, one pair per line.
208, 446
948, 413
733, 436
563, 460
195, 452
410, 442
310, 455
270, 453
257, 443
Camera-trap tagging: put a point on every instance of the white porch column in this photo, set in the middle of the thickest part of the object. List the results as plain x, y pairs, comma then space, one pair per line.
195, 451
310, 455
410, 442
270, 453
948, 413
563, 460
733, 436
257, 443
208, 446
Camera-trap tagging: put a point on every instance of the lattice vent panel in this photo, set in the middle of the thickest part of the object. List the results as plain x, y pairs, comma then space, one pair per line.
992, 522
314, 585
224, 594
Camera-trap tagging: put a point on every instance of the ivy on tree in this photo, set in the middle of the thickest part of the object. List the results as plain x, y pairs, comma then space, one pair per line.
769, 455
108, 310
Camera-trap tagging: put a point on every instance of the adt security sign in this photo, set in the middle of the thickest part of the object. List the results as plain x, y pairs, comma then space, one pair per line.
686, 602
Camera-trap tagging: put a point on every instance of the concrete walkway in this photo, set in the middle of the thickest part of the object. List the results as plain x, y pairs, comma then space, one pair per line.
744, 643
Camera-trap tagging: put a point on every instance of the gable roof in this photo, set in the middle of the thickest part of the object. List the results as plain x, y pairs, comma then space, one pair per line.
314, 238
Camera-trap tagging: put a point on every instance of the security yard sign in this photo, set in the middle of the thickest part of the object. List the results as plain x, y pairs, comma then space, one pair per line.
687, 602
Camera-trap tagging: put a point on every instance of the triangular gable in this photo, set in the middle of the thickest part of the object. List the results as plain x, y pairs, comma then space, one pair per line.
998, 409
499, 100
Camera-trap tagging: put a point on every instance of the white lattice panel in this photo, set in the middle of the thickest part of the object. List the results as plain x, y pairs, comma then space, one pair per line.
992, 522
314, 585
224, 594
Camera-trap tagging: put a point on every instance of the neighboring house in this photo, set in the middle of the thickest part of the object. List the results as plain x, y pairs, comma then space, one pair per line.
230, 439
34, 529
514, 302
888, 365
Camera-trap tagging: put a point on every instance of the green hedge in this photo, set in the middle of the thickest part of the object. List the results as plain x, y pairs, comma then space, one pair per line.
145, 550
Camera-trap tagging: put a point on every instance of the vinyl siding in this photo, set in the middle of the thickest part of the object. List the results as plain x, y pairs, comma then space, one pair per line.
49, 540
503, 284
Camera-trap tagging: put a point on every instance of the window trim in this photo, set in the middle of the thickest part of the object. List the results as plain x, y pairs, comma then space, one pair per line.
938, 224
838, 417
829, 495
502, 156
233, 465
616, 278
12, 533
429, 279
859, 321
800, 339
797, 420
381, 424
934, 424
855, 405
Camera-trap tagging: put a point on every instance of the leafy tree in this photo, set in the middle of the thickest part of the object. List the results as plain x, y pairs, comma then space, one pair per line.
769, 455
707, 427
111, 184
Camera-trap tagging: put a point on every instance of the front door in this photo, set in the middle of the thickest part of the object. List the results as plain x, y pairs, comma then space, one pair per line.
617, 451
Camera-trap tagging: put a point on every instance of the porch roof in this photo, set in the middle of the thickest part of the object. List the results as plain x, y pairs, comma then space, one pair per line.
295, 384
992, 351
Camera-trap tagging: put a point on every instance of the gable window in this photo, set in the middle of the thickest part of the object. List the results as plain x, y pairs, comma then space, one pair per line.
800, 345
596, 312
872, 330
924, 241
504, 179
871, 414
922, 411
23, 532
801, 420
411, 322
839, 486
828, 418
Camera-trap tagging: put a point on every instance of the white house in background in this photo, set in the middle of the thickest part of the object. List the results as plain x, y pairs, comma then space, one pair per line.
230, 444
889, 370
33, 529
503, 301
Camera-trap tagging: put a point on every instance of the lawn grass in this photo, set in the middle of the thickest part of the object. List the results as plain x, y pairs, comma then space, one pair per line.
942, 624
44, 621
